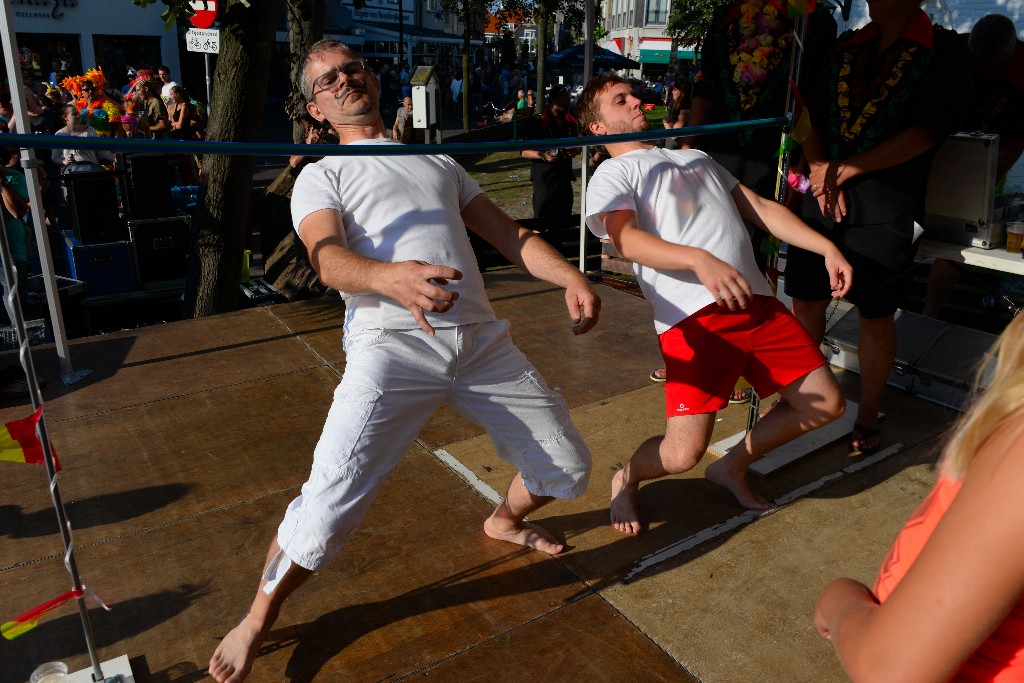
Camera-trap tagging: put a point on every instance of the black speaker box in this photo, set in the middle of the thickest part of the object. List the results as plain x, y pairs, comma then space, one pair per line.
161, 248
149, 186
93, 203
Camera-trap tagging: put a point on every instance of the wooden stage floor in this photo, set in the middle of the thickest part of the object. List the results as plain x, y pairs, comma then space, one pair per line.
186, 442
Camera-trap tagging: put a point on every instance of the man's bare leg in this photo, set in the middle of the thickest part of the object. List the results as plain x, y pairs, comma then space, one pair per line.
508, 523
233, 658
810, 402
680, 449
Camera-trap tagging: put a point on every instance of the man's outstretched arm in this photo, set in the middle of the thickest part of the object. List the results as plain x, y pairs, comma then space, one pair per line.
533, 254
779, 221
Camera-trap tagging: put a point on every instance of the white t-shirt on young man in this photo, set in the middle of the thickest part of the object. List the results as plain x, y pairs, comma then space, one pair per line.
683, 197
165, 93
398, 208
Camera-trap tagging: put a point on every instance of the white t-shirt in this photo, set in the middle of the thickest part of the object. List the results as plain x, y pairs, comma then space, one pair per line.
65, 156
683, 197
393, 209
165, 92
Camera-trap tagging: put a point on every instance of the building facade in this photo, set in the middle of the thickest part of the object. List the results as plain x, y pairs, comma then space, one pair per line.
80, 34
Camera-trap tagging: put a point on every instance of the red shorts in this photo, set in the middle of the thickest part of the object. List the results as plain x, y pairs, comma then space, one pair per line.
708, 351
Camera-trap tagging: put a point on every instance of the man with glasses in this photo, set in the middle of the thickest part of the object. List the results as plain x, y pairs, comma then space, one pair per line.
390, 234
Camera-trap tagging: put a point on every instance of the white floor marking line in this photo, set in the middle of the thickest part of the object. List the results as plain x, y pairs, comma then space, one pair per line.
749, 516
476, 482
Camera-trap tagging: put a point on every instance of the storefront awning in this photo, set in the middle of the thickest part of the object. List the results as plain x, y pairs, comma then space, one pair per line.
658, 51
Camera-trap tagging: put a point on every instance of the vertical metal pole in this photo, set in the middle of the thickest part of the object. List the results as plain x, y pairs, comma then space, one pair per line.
588, 71
30, 164
795, 62
209, 96
401, 35
24, 353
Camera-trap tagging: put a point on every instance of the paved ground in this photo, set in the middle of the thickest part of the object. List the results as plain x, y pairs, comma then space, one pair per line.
186, 441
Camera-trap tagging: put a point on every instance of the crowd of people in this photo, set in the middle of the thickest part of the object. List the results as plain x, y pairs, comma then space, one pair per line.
491, 86
152, 105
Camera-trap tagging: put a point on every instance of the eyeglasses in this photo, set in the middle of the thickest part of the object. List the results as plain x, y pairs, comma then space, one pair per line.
87, 89
330, 79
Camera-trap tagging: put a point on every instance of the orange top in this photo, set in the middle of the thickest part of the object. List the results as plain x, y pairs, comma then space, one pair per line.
1001, 657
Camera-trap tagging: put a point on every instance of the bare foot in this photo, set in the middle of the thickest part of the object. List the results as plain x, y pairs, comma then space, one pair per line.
720, 473
523, 533
624, 513
232, 660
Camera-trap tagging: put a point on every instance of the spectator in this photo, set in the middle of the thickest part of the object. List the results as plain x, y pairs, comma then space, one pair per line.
14, 204
531, 104
516, 108
997, 64
100, 112
947, 603
403, 130
679, 113
183, 116
315, 133
184, 126
551, 169
72, 160
869, 155
457, 93
164, 74
157, 120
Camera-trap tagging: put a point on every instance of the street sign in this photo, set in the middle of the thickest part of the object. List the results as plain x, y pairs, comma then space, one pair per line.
203, 40
205, 14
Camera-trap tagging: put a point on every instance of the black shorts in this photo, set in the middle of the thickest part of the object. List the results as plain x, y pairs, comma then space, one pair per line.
882, 256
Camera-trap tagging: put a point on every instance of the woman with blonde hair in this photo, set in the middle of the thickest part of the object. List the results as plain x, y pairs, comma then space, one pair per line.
948, 603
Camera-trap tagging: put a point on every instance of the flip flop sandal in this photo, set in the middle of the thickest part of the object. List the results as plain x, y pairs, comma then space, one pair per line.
864, 434
741, 396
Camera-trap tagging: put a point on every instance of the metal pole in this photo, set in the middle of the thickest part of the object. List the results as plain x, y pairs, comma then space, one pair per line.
401, 35
588, 71
29, 163
795, 62
18, 319
209, 96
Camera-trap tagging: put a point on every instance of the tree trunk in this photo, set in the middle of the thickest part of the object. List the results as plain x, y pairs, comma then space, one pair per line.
542, 53
673, 56
305, 27
239, 89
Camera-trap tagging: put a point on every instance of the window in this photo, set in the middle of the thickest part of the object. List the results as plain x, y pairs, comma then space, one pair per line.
657, 12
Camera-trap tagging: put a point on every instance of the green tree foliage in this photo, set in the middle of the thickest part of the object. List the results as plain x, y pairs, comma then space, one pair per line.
690, 20
543, 13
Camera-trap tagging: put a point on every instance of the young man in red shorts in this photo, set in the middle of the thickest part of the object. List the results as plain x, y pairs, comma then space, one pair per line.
678, 216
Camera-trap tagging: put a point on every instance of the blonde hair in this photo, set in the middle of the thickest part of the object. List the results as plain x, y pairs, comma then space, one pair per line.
993, 408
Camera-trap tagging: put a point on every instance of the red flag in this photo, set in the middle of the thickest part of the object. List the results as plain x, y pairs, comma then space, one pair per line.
19, 442
30, 619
